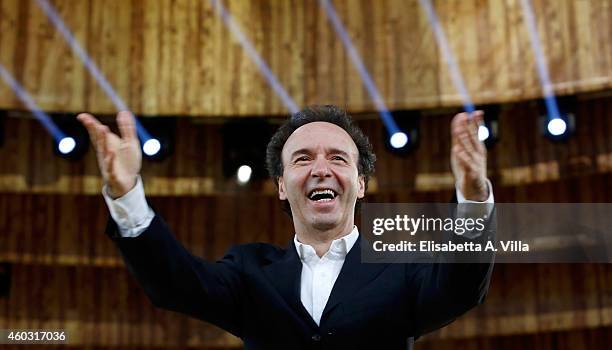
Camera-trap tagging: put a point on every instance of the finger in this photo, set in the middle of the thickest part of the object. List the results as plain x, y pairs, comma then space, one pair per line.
478, 120
88, 119
99, 132
105, 139
102, 140
127, 125
478, 116
467, 163
109, 162
464, 159
458, 119
465, 132
464, 140
473, 128
476, 160
458, 124
91, 124
461, 122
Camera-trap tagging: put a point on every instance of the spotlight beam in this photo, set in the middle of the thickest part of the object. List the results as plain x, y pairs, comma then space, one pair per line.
271, 79
25, 98
549, 95
59, 24
449, 58
361, 68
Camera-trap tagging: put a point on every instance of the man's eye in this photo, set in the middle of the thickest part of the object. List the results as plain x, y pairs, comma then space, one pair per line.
338, 158
301, 159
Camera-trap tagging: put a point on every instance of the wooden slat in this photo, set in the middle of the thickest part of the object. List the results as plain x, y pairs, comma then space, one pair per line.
98, 306
598, 338
102, 306
176, 57
521, 157
43, 228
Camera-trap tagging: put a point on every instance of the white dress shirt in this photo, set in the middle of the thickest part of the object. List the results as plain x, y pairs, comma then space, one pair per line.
320, 274
133, 215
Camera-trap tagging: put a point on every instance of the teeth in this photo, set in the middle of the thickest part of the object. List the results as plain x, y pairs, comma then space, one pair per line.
330, 192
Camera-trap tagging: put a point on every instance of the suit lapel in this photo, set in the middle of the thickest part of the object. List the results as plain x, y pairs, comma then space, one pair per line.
285, 275
353, 276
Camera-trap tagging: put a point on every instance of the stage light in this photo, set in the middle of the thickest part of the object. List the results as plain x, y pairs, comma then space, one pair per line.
72, 141
556, 126
27, 100
404, 141
66, 145
160, 144
447, 53
244, 149
357, 62
488, 130
559, 128
244, 174
398, 139
561, 125
151, 147
90, 65
483, 133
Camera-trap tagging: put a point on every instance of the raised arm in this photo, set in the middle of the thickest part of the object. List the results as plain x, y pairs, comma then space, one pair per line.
170, 275
444, 291
469, 157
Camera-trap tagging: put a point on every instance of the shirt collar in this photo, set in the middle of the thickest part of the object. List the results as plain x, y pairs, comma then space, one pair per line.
339, 248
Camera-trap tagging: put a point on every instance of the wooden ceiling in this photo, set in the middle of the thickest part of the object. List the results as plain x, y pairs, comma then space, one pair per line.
177, 58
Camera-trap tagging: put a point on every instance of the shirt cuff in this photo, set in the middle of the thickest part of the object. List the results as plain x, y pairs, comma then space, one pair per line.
475, 211
131, 212
462, 199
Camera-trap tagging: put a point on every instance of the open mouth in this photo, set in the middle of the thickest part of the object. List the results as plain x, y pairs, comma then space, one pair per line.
322, 195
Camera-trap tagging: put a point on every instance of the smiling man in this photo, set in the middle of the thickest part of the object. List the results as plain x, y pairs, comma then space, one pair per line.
315, 293
321, 182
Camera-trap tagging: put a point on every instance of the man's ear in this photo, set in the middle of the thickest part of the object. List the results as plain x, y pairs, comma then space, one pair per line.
361, 192
282, 195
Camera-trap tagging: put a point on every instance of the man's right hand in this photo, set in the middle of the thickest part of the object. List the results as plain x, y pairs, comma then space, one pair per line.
119, 158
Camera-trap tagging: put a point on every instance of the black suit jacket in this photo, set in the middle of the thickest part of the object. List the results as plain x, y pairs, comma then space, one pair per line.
254, 293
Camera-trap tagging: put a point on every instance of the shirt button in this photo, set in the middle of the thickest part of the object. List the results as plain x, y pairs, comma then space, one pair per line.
316, 337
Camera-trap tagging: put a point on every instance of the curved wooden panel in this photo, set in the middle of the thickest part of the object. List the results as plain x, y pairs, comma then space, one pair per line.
572, 340
67, 274
104, 306
68, 229
99, 307
521, 157
176, 57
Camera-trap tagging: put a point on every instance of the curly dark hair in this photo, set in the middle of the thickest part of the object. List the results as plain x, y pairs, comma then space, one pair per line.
327, 113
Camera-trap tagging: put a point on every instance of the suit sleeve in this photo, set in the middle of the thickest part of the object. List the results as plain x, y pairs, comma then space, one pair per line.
176, 280
441, 291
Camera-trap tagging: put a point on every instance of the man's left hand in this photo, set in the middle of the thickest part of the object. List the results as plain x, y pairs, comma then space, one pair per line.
469, 156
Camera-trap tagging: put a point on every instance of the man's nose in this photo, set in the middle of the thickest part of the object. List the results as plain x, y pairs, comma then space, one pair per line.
320, 168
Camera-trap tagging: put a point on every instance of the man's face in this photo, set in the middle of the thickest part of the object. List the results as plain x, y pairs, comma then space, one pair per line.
320, 178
